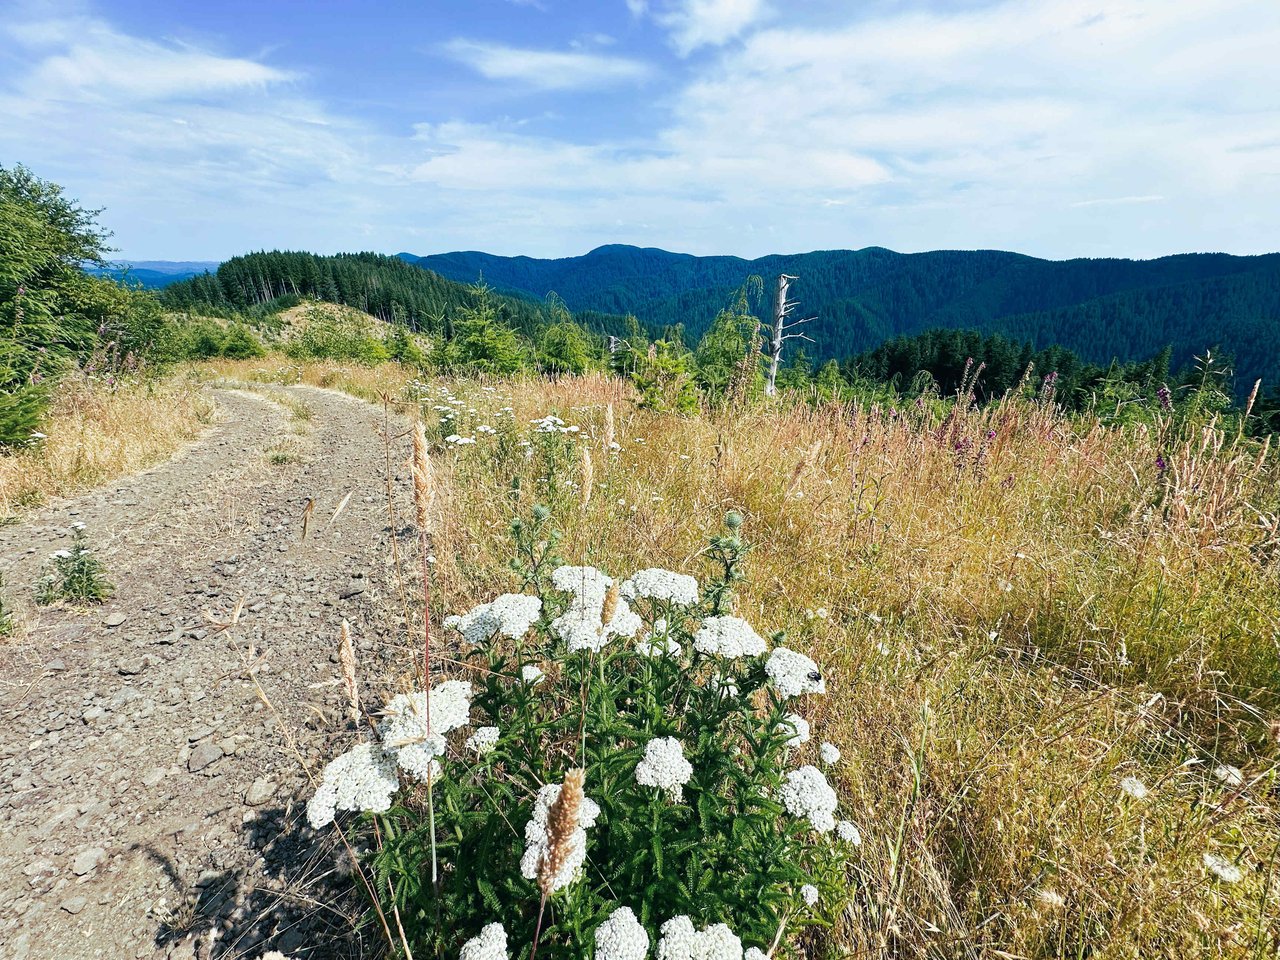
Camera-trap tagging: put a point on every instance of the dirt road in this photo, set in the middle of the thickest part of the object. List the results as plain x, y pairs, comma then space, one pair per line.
149, 804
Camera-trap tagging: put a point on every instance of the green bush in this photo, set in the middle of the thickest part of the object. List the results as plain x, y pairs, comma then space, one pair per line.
78, 576
336, 334
700, 810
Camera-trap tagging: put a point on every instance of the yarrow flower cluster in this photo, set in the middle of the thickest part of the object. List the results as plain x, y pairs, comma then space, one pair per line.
793, 673
621, 937
829, 753
510, 615
535, 838
483, 740
680, 940
364, 778
799, 728
729, 637
1222, 868
807, 794
491, 944
1229, 775
531, 674
582, 625
809, 893
1134, 788
658, 584
849, 833
406, 734
658, 642
665, 767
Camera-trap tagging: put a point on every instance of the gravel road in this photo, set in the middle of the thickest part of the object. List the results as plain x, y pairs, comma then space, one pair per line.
150, 805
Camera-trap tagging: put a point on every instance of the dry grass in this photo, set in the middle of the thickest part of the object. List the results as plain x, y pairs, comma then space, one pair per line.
1017, 612
97, 433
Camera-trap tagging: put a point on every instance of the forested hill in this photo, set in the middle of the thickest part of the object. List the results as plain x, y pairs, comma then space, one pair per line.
1102, 309
387, 287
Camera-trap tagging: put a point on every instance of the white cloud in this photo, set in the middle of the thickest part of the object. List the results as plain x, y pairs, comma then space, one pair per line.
546, 69
1117, 201
703, 23
1047, 127
86, 60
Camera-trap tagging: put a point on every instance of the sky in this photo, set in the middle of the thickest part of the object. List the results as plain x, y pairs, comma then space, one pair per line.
1058, 128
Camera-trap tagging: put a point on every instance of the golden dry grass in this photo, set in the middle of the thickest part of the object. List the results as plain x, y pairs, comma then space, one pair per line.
1016, 610
97, 433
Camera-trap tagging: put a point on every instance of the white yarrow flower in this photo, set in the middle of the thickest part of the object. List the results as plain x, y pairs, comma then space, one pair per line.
621, 937
510, 615
848, 832
807, 794
1134, 788
535, 838
1222, 868
404, 729
793, 673
531, 674
665, 767
483, 740
809, 893
729, 637
1229, 775
799, 728
364, 778
658, 584
680, 940
491, 944
581, 626
754, 953
829, 753
658, 642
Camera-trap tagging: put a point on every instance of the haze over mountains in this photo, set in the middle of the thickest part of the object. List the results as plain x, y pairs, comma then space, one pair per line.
1102, 309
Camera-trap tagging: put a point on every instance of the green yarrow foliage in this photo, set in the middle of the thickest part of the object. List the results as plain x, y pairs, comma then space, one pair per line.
721, 847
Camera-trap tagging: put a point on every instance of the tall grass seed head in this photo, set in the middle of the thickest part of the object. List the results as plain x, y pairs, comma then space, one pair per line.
572, 851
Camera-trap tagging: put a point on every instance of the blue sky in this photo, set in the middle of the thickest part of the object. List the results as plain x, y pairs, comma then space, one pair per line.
547, 127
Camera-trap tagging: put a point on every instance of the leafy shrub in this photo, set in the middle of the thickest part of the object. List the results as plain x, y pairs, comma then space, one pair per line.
630, 774
77, 576
336, 334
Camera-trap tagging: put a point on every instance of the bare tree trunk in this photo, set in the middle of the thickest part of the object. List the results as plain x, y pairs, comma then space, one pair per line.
775, 334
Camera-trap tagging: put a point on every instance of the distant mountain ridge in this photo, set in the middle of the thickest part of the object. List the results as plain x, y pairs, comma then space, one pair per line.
155, 274
1103, 309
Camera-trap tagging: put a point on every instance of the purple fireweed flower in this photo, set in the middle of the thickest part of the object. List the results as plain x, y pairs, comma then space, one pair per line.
1161, 464
1165, 397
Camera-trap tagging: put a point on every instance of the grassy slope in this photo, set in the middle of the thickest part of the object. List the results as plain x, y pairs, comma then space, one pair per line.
1011, 630
97, 432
